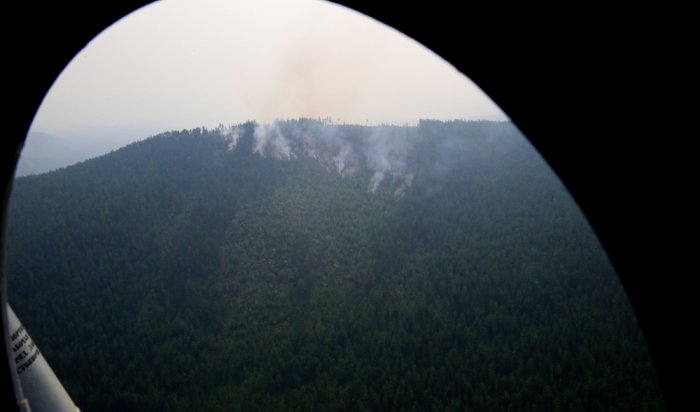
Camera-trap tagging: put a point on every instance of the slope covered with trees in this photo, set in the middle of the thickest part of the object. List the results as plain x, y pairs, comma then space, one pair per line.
305, 266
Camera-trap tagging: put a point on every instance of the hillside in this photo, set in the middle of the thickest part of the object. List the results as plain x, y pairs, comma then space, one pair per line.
303, 266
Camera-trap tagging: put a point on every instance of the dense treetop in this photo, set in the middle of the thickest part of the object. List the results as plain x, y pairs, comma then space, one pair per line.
301, 265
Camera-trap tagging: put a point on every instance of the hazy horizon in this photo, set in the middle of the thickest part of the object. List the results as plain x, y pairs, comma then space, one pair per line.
44, 152
182, 64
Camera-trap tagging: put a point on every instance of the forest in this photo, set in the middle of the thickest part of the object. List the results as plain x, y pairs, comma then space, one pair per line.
302, 265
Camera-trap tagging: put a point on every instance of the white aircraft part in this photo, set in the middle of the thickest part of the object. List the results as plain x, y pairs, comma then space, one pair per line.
40, 386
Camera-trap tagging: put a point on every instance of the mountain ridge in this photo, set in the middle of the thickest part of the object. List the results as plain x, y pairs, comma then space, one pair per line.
263, 275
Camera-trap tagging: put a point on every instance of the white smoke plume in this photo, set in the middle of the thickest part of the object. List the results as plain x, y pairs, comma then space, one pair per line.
389, 157
231, 134
407, 180
374, 182
384, 151
269, 141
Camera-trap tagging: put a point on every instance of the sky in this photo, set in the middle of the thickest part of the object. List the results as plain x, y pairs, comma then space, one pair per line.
181, 64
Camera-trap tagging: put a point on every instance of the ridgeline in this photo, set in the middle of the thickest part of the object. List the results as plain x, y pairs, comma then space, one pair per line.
307, 266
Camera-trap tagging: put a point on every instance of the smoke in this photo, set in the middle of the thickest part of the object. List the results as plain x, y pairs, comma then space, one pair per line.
407, 182
388, 151
269, 141
384, 151
374, 182
328, 64
391, 156
231, 134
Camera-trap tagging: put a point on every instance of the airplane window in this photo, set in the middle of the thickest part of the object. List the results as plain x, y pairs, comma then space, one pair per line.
286, 205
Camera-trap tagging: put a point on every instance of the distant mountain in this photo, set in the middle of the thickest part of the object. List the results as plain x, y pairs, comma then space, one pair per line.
300, 265
45, 152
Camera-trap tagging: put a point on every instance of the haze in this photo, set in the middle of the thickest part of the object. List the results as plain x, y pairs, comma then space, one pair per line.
179, 64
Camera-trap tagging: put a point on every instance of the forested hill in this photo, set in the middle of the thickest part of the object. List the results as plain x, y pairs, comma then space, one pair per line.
308, 266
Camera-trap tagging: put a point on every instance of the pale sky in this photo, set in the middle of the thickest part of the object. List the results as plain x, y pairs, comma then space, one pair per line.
180, 64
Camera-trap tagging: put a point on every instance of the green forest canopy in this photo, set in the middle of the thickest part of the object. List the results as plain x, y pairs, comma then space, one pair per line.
301, 265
